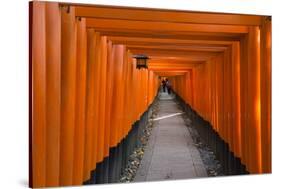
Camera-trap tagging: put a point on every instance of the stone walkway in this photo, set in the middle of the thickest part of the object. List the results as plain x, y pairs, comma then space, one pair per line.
170, 153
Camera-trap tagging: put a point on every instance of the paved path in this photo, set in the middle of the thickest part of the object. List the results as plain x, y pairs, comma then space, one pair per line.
170, 152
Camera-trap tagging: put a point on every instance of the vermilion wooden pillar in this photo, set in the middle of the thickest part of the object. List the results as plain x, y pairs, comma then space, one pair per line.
191, 88
97, 104
102, 97
254, 100
38, 95
228, 99
113, 125
80, 110
135, 85
90, 130
224, 99
128, 95
265, 89
244, 100
117, 103
124, 123
109, 96
68, 94
53, 92
236, 98
220, 96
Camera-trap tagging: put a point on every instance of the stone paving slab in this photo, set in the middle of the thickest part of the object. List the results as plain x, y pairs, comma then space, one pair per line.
170, 153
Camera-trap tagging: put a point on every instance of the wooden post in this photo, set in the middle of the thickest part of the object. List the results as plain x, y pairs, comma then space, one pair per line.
90, 145
38, 95
254, 100
265, 77
244, 101
68, 94
80, 111
236, 98
53, 92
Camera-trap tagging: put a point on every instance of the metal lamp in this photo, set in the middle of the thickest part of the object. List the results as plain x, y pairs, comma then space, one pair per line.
141, 61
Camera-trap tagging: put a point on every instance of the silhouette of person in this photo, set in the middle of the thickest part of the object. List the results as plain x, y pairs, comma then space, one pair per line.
168, 85
164, 85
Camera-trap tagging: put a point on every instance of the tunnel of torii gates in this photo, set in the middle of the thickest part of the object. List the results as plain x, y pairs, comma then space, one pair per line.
86, 93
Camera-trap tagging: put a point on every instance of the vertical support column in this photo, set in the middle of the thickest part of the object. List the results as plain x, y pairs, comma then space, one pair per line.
108, 121
97, 103
53, 92
81, 76
109, 94
38, 95
113, 125
135, 86
236, 98
89, 147
102, 97
128, 98
224, 98
96, 151
145, 89
229, 103
231, 114
124, 99
265, 89
120, 90
244, 101
68, 93
226, 112
220, 95
102, 105
150, 86
109, 81
254, 99
192, 88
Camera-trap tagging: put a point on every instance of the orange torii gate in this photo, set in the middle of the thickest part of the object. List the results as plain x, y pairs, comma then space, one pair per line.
87, 93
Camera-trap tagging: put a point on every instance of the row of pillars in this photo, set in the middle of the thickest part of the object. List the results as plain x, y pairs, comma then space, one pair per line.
232, 92
231, 164
86, 95
113, 166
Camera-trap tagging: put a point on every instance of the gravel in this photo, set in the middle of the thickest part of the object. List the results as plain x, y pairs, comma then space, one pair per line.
137, 155
211, 163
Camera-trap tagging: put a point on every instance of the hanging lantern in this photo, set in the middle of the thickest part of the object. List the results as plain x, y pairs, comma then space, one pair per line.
141, 61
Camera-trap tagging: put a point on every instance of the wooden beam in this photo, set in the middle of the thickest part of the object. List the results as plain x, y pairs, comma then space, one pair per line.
163, 26
168, 35
174, 53
172, 68
171, 65
176, 58
165, 41
186, 58
160, 61
156, 15
180, 48
170, 73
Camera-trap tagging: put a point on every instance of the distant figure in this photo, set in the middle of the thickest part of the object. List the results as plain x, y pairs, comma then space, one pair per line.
164, 85
168, 85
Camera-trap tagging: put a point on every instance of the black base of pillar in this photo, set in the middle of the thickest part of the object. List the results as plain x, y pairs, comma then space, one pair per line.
105, 169
92, 180
99, 178
231, 164
111, 168
112, 165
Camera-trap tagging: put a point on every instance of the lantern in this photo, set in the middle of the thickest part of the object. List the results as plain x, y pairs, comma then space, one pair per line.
141, 61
